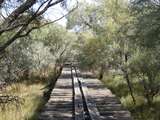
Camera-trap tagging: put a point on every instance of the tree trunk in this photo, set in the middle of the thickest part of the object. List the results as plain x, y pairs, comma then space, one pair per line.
21, 9
147, 95
101, 74
126, 76
15, 14
149, 100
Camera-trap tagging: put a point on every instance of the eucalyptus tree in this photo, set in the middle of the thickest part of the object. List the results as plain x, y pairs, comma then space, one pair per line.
90, 20
15, 61
92, 53
58, 39
106, 20
44, 48
145, 40
19, 18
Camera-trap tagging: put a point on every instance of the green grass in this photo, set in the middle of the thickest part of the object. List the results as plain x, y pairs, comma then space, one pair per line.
32, 101
140, 111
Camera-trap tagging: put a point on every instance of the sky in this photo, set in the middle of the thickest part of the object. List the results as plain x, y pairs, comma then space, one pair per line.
57, 11
54, 12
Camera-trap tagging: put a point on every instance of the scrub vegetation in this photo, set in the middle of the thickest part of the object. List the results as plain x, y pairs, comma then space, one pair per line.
117, 40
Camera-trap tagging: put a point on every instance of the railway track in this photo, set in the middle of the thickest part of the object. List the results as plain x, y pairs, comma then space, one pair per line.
84, 107
78, 98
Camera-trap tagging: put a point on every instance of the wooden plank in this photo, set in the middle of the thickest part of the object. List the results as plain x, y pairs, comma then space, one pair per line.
109, 106
93, 111
78, 102
59, 106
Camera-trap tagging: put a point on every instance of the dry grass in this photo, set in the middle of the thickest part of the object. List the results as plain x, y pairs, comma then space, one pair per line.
31, 101
140, 111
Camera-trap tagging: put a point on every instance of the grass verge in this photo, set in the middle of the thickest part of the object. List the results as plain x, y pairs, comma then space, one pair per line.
140, 111
32, 100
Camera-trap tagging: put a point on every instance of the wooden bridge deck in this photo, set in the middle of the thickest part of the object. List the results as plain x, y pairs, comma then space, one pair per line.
108, 105
60, 106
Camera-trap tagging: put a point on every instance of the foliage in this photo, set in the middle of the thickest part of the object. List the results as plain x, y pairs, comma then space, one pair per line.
32, 101
20, 18
124, 36
34, 58
114, 38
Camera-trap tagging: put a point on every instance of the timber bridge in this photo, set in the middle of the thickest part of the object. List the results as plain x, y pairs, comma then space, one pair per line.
80, 96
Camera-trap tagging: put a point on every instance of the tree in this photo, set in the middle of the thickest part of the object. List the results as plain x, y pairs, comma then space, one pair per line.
145, 38
58, 39
106, 21
25, 18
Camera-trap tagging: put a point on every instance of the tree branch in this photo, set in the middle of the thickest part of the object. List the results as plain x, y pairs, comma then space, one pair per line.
24, 27
1, 1
37, 27
21, 9
14, 15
